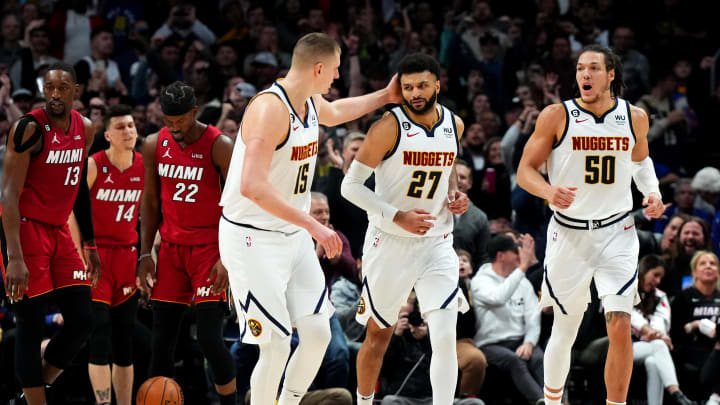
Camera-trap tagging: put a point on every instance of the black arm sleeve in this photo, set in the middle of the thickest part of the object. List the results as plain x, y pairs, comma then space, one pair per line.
82, 207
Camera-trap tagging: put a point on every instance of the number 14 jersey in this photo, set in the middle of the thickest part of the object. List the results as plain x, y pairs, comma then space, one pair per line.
116, 200
594, 154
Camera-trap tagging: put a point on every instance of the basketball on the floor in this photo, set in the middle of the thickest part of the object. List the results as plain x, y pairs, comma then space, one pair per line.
160, 391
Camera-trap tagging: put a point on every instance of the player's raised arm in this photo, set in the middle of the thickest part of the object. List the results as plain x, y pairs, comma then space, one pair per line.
348, 109
643, 168
549, 123
265, 126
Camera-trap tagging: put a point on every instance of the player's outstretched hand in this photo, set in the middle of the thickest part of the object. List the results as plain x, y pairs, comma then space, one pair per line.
562, 196
94, 267
458, 202
654, 207
394, 91
328, 238
414, 221
146, 275
16, 279
219, 278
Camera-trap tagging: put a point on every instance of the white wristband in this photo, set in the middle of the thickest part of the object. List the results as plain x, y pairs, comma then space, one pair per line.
645, 177
706, 327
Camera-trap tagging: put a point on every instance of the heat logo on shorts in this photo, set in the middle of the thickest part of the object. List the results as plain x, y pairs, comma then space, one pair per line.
248, 241
255, 327
361, 306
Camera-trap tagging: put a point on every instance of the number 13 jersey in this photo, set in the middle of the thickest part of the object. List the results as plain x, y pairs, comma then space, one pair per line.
190, 189
291, 171
594, 154
416, 173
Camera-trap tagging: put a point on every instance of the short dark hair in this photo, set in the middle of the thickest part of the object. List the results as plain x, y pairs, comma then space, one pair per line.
100, 29
418, 63
177, 99
117, 110
612, 62
65, 68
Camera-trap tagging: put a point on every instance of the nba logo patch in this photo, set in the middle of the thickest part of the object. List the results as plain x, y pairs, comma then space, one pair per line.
554, 238
376, 241
248, 241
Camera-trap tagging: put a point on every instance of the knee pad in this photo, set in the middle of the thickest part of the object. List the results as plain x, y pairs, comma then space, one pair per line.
79, 321
210, 326
29, 314
123, 326
100, 342
314, 331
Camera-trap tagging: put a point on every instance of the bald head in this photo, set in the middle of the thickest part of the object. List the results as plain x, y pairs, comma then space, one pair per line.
313, 48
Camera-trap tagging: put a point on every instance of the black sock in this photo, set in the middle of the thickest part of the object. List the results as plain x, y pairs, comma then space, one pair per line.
230, 399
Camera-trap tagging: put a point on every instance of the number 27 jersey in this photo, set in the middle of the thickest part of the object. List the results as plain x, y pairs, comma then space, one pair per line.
416, 173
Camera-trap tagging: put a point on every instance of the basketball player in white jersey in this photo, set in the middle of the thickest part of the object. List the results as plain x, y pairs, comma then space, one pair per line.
409, 243
594, 146
266, 232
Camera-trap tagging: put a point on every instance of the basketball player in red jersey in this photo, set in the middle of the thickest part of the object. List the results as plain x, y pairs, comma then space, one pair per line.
115, 177
184, 166
44, 180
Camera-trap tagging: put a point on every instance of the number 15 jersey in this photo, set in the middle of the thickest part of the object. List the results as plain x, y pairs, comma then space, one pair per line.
416, 173
291, 170
594, 154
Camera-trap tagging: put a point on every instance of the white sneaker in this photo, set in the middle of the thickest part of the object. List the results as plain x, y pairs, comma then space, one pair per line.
713, 400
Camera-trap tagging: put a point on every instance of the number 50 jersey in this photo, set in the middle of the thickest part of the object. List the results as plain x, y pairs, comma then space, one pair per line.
116, 200
416, 173
291, 170
594, 154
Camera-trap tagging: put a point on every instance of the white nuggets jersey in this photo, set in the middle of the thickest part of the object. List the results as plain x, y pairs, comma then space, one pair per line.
594, 154
291, 171
416, 173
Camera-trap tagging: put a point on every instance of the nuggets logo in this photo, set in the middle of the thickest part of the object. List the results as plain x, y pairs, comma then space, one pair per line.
376, 242
361, 306
248, 241
255, 327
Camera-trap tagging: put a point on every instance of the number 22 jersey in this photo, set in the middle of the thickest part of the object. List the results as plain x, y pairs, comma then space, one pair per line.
190, 189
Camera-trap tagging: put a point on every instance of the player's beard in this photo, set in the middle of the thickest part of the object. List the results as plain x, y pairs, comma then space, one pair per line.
429, 104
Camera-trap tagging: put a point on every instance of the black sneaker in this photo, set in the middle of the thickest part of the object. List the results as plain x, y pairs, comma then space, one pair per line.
681, 399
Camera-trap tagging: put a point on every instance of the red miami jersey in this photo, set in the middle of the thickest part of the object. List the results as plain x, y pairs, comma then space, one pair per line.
116, 200
189, 189
53, 175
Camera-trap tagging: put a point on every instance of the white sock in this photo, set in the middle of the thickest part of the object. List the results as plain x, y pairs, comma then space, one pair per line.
365, 400
713, 400
552, 398
288, 397
609, 402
